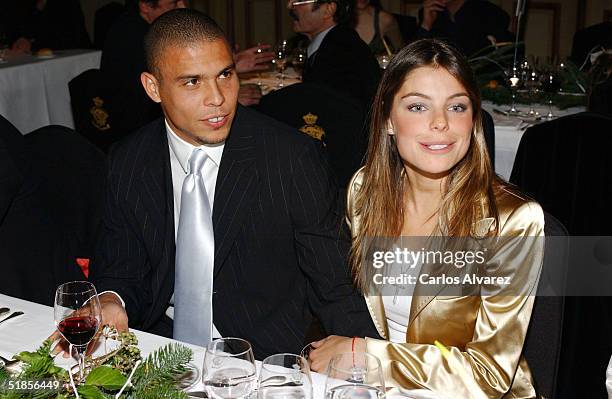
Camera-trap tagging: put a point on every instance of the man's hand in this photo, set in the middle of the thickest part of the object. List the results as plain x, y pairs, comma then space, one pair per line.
431, 8
253, 59
113, 314
249, 95
326, 348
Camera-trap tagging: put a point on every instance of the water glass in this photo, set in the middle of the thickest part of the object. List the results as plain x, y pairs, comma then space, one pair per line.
354, 375
285, 376
229, 369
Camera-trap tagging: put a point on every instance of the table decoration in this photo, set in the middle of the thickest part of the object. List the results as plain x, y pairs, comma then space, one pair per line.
494, 70
120, 373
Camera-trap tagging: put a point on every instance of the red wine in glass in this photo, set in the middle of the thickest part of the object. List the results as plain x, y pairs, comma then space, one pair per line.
77, 316
78, 330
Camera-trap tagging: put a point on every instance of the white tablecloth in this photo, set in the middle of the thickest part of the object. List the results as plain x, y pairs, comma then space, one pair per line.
34, 91
27, 332
508, 133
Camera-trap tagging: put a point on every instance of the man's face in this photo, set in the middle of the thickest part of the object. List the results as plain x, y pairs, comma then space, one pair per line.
197, 87
311, 19
163, 6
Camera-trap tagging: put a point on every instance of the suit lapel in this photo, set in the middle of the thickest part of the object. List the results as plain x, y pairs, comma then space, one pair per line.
236, 184
157, 201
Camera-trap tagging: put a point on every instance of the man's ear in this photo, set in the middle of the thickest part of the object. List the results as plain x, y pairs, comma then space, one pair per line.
331, 9
151, 86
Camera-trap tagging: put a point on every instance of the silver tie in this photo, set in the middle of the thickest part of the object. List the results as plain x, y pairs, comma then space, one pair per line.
195, 245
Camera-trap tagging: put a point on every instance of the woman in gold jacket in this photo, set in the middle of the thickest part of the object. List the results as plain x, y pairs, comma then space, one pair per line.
428, 174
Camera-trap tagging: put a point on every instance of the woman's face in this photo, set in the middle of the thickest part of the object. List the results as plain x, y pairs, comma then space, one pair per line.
431, 118
361, 4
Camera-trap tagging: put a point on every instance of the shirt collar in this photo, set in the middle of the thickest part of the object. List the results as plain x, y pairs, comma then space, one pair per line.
182, 150
316, 41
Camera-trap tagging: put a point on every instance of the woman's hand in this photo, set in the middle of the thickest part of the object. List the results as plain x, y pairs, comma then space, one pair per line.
326, 348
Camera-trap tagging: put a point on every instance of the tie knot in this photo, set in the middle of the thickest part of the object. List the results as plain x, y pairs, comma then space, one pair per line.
198, 157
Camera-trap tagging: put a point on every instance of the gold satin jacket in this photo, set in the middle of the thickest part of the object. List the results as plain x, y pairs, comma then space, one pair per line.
484, 333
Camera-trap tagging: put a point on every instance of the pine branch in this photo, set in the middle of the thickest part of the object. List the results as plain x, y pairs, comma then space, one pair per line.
162, 367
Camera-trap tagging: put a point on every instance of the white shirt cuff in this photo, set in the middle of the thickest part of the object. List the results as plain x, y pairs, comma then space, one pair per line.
117, 295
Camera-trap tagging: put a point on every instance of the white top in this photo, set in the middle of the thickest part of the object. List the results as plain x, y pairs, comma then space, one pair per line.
398, 299
180, 152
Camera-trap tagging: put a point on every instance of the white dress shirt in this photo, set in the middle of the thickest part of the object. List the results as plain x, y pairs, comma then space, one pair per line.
180, 152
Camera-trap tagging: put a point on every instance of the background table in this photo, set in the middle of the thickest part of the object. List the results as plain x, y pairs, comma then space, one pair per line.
34, 90
509, 130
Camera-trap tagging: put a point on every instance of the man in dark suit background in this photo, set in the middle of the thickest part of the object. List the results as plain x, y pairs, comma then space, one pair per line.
279, 243
337, 57
123, 61
465, 23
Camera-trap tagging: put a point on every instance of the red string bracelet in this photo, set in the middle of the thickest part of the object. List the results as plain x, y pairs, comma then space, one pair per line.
353, 350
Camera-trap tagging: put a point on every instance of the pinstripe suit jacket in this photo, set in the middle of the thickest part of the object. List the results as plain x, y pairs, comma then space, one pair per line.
280, 245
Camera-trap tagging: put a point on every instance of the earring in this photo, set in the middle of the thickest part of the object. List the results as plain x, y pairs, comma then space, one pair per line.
390, 131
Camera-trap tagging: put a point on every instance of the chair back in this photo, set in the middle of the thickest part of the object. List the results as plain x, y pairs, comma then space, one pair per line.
54, 215
336, 120
566, 166
543, 341
92, 109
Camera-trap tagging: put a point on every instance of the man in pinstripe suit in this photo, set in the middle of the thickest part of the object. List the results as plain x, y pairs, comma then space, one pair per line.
279, 244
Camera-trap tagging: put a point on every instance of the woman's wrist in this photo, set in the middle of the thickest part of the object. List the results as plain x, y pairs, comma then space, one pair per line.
358, 344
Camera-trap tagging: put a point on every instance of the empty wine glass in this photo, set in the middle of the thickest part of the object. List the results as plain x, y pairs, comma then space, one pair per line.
229, 369
550, 86
514, 81
298, 60
280, 61
285, 376
532, 84
354, 375
77, 316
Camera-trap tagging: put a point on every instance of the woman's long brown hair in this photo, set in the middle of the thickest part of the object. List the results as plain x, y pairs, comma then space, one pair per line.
469, 192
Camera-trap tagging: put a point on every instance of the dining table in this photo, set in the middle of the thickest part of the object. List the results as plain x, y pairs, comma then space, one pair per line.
27, 332
34, 89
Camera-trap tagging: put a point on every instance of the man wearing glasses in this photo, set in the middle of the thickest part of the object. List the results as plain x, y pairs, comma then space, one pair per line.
337, 57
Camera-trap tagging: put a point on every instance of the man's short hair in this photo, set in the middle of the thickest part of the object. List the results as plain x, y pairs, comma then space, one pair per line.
182, 26
344, 11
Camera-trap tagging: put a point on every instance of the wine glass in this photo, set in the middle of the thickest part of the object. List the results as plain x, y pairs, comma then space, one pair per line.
514, 80
229, 369
285, 376
354, 375
77, 316
532, 84
550, 86
298, 60
280, 61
